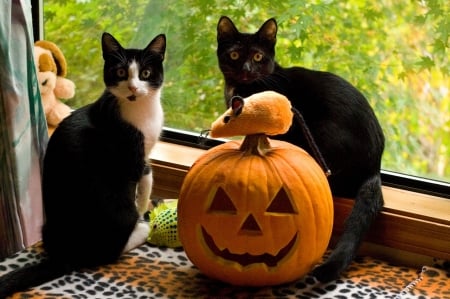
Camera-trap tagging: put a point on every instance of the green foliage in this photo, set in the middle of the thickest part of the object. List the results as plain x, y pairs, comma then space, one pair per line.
395, 52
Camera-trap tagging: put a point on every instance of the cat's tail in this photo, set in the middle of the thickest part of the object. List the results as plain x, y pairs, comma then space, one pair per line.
368, 204
29, 276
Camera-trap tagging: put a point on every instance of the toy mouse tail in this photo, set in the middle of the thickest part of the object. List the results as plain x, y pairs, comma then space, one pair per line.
29, 276
312, 144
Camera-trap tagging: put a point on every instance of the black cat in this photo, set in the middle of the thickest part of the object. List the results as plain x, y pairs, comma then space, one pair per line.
96, 175
341, 121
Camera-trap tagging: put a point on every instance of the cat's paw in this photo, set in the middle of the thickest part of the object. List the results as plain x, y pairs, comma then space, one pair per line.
138, 236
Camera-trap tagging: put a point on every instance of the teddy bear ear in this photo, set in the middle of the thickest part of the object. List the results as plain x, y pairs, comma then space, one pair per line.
58, 56
46, 63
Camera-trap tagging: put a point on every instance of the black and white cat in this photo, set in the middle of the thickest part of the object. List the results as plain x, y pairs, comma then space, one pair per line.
342, 123
96, 176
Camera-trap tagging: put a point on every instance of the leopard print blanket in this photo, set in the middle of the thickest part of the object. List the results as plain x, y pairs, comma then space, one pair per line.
153, 272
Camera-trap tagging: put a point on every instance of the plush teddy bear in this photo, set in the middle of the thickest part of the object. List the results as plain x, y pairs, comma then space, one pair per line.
51, 71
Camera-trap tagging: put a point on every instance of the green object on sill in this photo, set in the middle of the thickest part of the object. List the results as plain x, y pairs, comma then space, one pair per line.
163, 225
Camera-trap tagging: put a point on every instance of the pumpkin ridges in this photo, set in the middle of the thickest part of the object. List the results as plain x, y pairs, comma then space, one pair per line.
309, 201
264, 173
210, 156
249, 162
270, 190
316, 175
254, 164
217, 153
322, 241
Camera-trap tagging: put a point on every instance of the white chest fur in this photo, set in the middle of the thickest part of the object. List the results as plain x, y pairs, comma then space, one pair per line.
146, 114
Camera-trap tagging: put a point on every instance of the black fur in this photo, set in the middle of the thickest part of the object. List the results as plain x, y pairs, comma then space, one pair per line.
92, 165
341, 120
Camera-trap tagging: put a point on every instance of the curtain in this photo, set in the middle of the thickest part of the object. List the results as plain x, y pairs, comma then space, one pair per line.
23, 131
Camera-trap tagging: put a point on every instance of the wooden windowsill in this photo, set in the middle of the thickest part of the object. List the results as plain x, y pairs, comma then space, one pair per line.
411, 222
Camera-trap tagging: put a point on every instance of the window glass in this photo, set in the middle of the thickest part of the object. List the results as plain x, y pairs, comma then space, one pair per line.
395, 52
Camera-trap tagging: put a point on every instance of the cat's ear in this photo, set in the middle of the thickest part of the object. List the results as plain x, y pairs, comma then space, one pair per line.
109, 44
158, 45
225, 28
268, 30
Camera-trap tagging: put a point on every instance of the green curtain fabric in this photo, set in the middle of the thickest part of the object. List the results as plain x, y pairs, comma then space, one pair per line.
23, 131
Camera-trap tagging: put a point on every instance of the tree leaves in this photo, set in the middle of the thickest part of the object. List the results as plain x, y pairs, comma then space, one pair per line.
425, 62
395, 52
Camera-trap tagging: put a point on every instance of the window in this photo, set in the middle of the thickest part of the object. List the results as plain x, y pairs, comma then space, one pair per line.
395, 52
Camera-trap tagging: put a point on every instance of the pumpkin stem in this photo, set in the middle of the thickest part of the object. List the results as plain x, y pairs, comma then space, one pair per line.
255, 144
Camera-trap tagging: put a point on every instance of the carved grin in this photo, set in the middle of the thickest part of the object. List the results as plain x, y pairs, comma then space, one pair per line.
247, 258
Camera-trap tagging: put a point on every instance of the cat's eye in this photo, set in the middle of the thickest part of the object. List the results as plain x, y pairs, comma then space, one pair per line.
121, 72
257, 57
234, 55
145, 74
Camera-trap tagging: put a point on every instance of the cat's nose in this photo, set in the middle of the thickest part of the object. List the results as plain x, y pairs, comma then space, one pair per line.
132, 88
246, 67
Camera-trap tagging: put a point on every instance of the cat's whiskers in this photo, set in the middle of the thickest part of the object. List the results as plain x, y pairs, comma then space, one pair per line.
273, 79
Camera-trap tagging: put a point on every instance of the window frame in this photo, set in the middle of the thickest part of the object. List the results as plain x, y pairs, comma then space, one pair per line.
389, 178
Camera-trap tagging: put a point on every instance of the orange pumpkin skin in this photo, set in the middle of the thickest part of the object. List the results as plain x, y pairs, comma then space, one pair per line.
255, 219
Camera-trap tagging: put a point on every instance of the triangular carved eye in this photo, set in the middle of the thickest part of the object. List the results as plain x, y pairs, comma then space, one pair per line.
282, 204
222, 203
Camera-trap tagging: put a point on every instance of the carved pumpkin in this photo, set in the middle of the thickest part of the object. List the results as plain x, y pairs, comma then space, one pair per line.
257, 212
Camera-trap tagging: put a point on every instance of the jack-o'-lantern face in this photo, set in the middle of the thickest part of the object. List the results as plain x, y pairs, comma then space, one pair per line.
245, 242
251, 219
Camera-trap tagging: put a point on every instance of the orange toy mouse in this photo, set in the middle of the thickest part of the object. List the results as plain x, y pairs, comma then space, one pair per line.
266, 112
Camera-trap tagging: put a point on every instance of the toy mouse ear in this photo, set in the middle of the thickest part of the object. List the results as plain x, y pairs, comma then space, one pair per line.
237, 103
